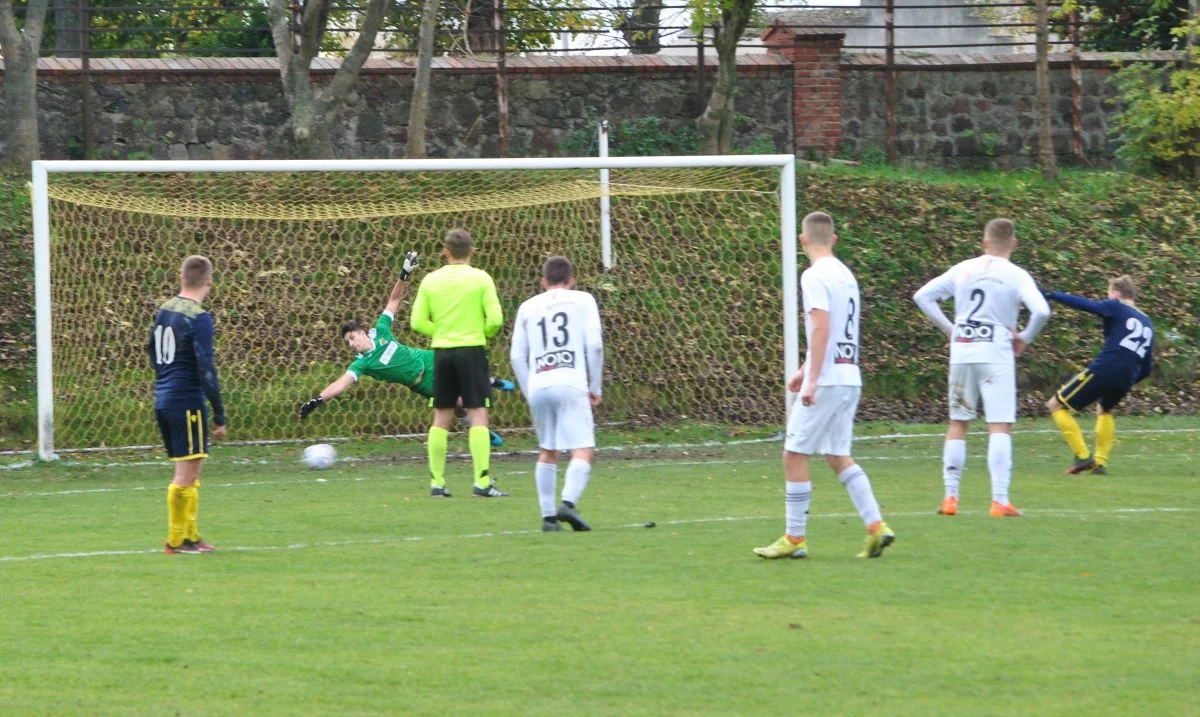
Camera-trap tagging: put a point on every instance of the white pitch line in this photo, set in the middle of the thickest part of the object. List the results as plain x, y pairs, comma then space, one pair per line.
772, 439
402, 477
1048, 512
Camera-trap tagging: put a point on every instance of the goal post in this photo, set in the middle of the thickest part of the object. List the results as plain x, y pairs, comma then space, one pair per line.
111, 215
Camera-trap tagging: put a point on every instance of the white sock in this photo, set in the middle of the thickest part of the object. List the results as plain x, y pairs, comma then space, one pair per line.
799, 495
859, 487
1000, 464
954, 457
546, 477
578, 472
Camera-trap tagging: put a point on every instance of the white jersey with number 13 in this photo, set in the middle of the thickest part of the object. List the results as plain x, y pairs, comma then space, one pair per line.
557, 341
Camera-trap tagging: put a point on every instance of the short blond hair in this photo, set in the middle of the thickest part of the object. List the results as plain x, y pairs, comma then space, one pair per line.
458, 243
818, 227
1124, 287
1000, 234
195, 272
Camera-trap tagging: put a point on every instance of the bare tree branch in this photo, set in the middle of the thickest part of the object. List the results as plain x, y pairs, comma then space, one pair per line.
8, 26
281, 32
35, 22
347, 73
313, 19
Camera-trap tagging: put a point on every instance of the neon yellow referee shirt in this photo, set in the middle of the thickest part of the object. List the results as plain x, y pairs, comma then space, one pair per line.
457, 306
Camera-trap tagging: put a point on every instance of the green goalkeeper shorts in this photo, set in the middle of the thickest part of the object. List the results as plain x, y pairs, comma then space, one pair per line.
425, 386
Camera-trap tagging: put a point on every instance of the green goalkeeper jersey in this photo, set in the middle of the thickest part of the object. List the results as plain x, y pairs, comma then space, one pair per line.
394, 362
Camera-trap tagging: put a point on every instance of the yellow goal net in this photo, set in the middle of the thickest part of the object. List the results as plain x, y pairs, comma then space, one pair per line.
692, 306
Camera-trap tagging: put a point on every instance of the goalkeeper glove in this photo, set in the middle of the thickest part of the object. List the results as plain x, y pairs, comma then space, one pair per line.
310, 406
503, 384
409, 266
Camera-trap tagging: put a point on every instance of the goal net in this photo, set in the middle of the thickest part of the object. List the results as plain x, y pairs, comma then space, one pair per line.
692, 301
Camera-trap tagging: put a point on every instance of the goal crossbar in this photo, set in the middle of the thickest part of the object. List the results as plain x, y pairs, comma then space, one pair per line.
41, 169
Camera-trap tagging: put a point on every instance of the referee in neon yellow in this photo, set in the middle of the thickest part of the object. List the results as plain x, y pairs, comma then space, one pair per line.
458, 308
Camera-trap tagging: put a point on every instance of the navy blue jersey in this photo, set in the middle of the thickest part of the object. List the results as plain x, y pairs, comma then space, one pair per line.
181, 351
1128, 338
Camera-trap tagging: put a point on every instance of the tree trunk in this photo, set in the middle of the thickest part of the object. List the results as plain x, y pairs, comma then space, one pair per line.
716, 124
1045, 117
310, 131
640, 27
20, 49
67, 37
419, 109
297, 42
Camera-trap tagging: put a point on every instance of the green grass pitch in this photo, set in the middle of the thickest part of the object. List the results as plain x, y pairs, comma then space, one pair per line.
351, 592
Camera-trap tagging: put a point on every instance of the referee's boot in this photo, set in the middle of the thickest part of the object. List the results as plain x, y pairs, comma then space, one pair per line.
490, 491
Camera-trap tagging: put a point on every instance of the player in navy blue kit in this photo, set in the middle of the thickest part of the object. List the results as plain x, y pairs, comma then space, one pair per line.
1124, 360
181, 351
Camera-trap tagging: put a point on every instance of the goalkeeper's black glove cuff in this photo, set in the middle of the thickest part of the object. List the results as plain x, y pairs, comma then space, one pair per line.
310, 406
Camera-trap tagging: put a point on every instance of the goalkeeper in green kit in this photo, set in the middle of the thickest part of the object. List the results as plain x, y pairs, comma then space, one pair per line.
382, 357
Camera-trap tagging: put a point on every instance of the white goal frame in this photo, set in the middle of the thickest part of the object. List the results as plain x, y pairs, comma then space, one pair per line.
42, 169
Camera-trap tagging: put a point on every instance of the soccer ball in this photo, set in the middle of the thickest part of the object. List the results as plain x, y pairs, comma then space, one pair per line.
319, 457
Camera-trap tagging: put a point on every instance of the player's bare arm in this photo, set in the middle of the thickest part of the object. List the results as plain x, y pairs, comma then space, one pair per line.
796, 380
331, 391
400, 289
818, 343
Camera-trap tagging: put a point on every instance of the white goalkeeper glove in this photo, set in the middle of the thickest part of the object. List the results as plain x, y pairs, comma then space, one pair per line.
409, 266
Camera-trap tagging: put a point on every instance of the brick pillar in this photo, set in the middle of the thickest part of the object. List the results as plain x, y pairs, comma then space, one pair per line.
816, 55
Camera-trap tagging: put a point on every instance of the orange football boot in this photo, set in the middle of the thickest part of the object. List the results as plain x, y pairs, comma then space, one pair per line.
949, 506
1004, 511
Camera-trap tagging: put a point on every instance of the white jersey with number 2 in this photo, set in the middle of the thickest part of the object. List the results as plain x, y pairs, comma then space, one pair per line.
829, 285
988, 292
557, 341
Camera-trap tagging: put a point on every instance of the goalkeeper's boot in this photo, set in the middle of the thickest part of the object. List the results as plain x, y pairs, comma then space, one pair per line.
1100, 470
503, 384
490, 491
1000, 510
439, 491
200, 545
567, 514
783, 548
1080, 465
877, 541
497, 439
551, 525
949, 506
184, 548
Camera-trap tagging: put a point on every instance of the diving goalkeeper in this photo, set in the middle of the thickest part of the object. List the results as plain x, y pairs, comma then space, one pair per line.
382, 357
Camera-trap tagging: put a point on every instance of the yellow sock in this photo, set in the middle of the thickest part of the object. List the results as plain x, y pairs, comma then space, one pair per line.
1070, 430
177, 506
436, 446
193, 507
1106, 433
479, 440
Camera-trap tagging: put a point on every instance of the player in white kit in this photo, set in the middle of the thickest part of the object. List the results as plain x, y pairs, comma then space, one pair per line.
558, 357
829, 384
988, 292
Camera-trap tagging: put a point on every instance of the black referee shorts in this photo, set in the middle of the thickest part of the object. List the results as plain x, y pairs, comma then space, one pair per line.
462, 372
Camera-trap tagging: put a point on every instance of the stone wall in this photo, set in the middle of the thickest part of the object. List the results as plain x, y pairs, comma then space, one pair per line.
202, 110
804, 95
970, 118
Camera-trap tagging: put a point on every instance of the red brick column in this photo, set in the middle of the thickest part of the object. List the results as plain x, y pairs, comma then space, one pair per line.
816, 55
